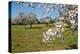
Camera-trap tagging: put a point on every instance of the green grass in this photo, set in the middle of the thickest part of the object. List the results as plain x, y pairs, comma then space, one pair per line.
29, 40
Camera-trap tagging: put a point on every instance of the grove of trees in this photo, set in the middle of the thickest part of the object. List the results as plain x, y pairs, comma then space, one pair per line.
69, 12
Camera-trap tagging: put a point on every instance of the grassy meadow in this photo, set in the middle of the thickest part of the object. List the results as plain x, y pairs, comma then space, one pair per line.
30, 40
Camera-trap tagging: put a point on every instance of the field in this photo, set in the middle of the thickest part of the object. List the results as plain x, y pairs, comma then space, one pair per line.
30, 40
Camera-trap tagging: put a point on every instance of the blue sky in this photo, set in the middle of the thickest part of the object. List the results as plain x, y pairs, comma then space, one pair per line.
40, 12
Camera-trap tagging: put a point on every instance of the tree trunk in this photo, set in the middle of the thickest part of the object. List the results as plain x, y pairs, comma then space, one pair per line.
30, 25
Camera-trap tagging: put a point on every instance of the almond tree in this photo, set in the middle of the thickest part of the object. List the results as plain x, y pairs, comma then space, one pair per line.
30, 19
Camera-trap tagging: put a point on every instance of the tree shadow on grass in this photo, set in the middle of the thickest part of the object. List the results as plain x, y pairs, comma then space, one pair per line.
34, 28
72, 46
